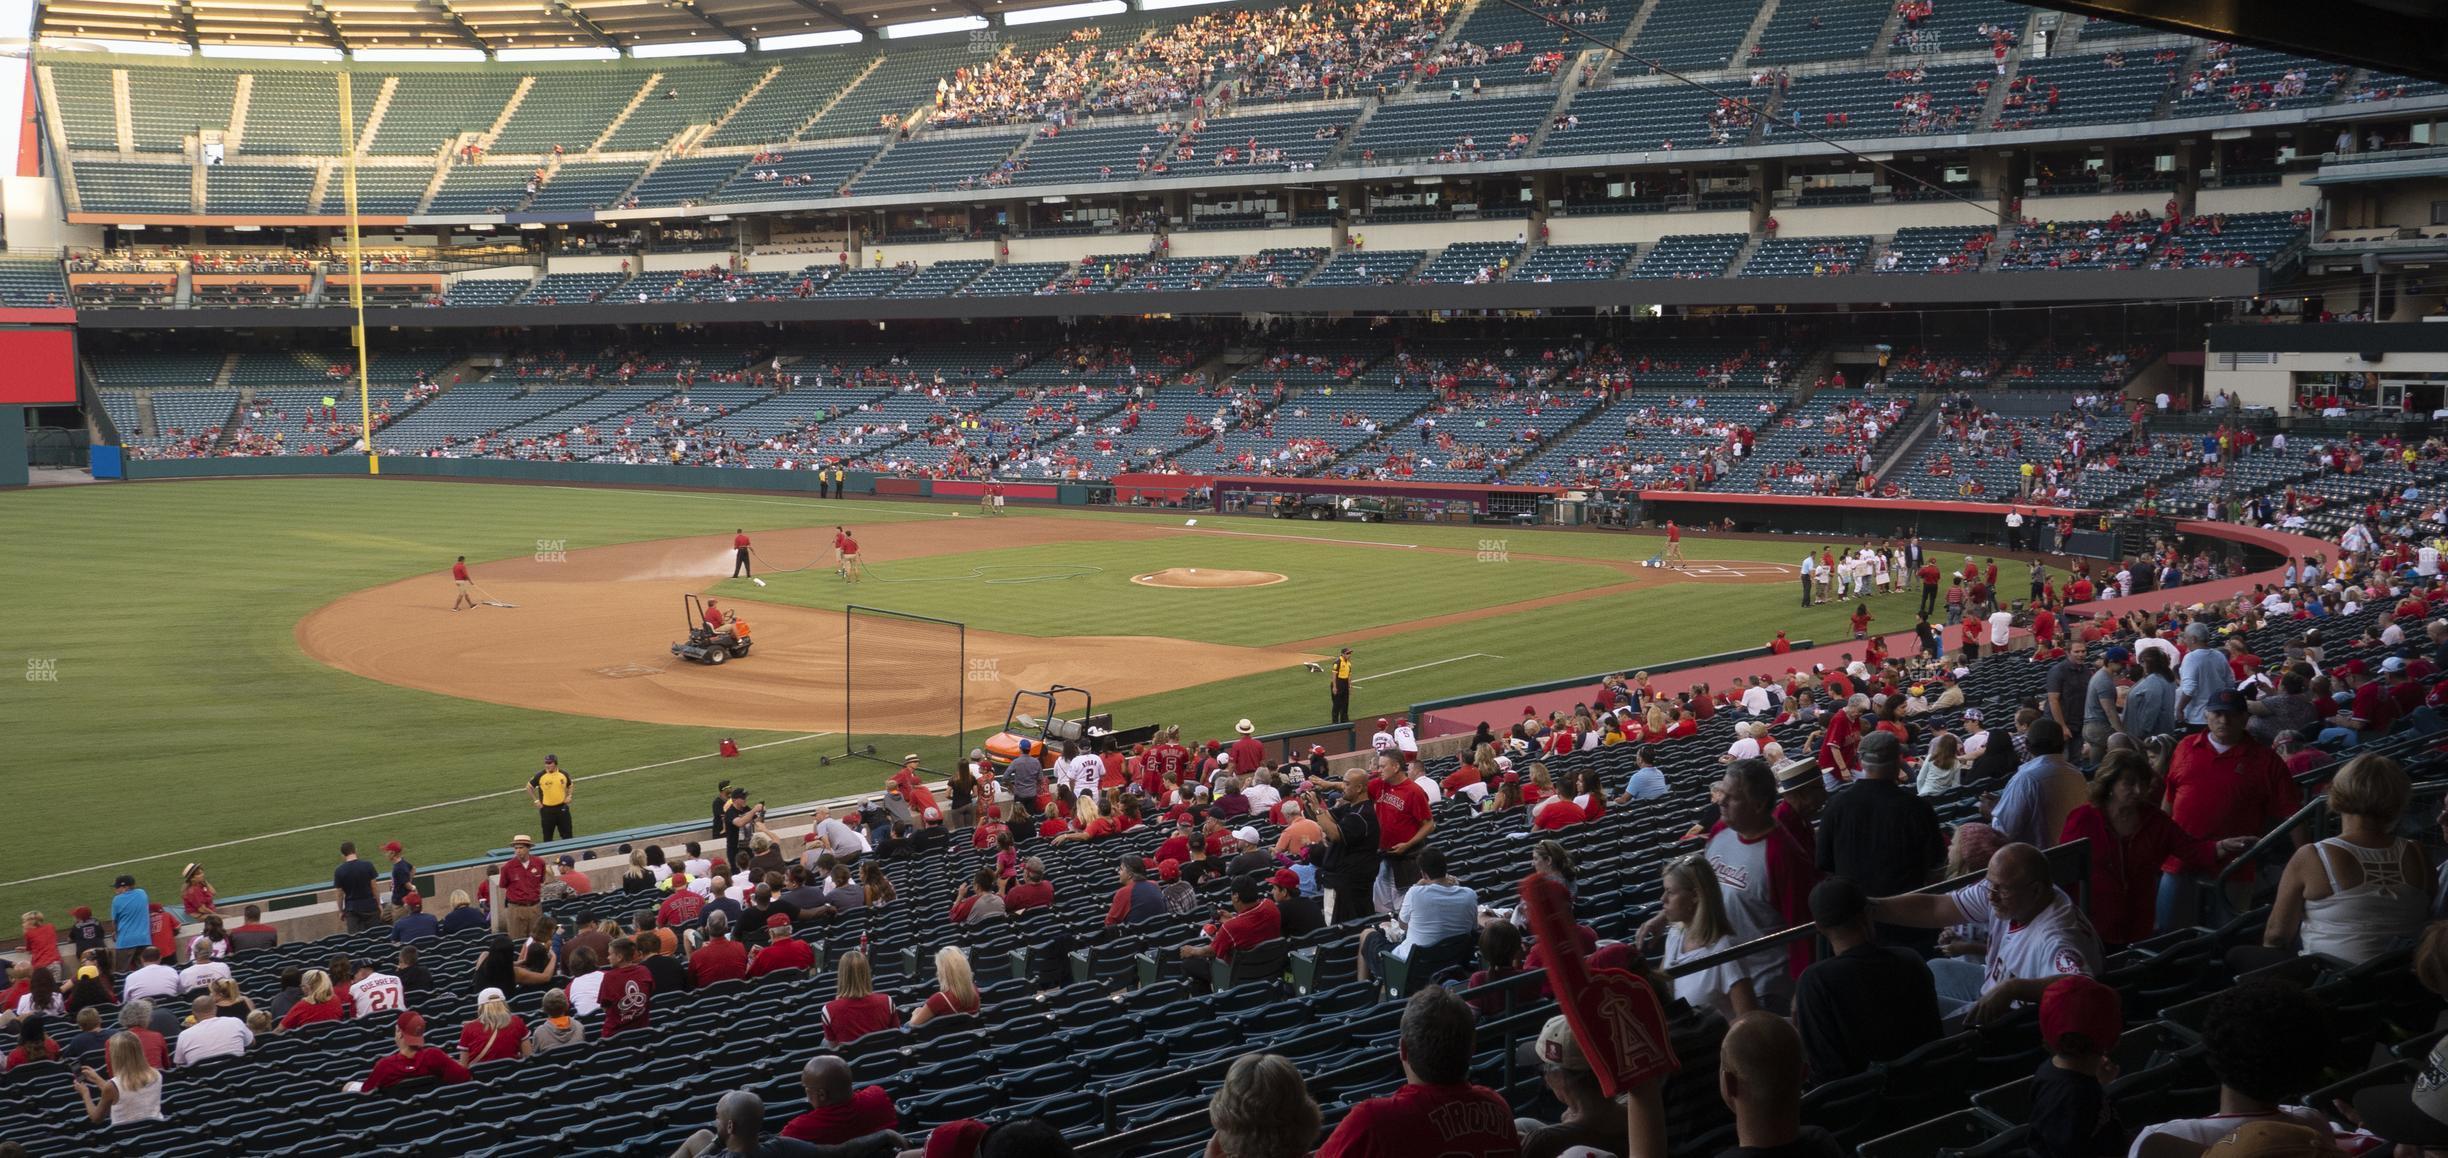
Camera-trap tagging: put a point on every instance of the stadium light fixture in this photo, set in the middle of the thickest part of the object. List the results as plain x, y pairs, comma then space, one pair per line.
269, 52
1064, 12
417, 55
688, 48
124, 47
810, 39
912, 28
546, 54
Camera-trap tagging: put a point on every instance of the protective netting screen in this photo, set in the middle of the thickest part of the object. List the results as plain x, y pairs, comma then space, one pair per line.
903, 675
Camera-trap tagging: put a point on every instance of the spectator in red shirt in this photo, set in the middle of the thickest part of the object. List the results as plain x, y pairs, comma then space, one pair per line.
496, 1032
1033, 892
2131, 838
955, 988
1557, 812
836, 1111
914, 793
1253, 920
856, 1009
1247, 752
522, 886
1438, 1110
720, 958
413, 1058
2373, 708
42, 944
1403, 820
2220, 783
627, 987
316, 1002
782, 952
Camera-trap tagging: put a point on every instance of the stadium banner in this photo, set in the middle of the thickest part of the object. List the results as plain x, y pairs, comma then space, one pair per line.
42, 367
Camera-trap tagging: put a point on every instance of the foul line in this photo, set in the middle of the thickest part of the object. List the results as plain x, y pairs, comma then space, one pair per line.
395, 812
1429, 664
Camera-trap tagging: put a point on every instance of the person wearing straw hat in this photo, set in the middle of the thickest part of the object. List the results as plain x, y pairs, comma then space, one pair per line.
1247, 752
913, 793
522, 887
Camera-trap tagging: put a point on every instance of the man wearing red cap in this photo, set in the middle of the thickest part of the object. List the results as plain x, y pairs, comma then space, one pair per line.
403, 878
413, 1058
1297, 915
782, 952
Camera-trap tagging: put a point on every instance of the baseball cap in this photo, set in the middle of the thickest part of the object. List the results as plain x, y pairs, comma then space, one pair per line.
2227, 700
2120, 654
1245, 834
1169, 870
2393, 664
2275, 1140
124, 881
2352, 667
81, 912
1286, 880
1382, 721
416, 901
777, 921
1881, 748
1317, 749
411, 1025
1972, 715
549, 758
568, 861
1797, 774
392, 847
2415, 1114
1555, 1046
1835, 901
489, 995
1504, 763
2078, 1004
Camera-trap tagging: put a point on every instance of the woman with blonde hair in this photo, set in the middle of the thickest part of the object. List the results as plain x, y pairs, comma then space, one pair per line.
463, 914
639, 878
133, 1091
1695, 924
496, 1033
1654, 722
955, 988
1263, 1110
856, 1009
2362, 892
228, 1001
315, 1002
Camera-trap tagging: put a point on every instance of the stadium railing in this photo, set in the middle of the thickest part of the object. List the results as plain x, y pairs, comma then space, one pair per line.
1419, 711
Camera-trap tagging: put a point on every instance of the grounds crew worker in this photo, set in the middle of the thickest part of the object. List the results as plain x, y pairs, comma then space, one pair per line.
739, 548
1338, 686
550, 790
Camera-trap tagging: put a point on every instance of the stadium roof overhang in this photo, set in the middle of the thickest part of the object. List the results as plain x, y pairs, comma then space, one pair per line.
1755, 294
489, 26
2400, 36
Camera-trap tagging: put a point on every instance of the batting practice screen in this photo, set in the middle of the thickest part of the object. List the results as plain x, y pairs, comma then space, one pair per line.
902, 675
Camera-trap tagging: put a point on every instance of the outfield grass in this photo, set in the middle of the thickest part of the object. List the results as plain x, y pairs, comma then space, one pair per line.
183, 713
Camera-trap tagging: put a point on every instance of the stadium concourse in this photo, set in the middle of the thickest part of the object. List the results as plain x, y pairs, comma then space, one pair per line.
1188, 950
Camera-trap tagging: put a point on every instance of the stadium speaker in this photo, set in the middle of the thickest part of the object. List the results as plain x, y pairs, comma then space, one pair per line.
2371, 264
2371, 355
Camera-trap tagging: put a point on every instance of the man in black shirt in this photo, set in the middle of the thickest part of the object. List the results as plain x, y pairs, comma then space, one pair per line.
2071, 1116
1881, 835
1760, 1077
1351, 848
1299, 915
2066, 683
355, 880
1865, 1003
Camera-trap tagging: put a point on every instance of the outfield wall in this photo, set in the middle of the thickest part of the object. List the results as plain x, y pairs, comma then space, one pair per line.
602, 474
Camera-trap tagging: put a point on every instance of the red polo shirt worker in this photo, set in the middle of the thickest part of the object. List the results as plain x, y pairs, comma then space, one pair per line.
522, 886
1403, 821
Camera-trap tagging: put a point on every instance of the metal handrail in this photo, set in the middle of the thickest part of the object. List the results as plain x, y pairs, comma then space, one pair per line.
2068, 863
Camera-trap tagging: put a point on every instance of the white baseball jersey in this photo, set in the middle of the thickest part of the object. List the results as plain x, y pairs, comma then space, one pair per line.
2058, 942
1383, 741
378, 993
1405, 738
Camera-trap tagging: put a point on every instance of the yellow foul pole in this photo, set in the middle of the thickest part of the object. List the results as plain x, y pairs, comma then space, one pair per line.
356, 265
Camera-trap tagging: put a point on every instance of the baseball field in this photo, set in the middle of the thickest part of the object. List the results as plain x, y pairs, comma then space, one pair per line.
247, 672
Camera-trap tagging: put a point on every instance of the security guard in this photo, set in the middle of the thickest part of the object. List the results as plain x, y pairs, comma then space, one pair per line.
550, 792
1338, 686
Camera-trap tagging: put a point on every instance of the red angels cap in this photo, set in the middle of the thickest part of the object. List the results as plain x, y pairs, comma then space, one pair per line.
1286, 880
411, 1025
2078, 1004
778, 921
392, 847
1168, 869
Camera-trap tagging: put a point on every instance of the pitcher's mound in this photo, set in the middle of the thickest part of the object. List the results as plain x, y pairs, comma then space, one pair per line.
1206, 577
